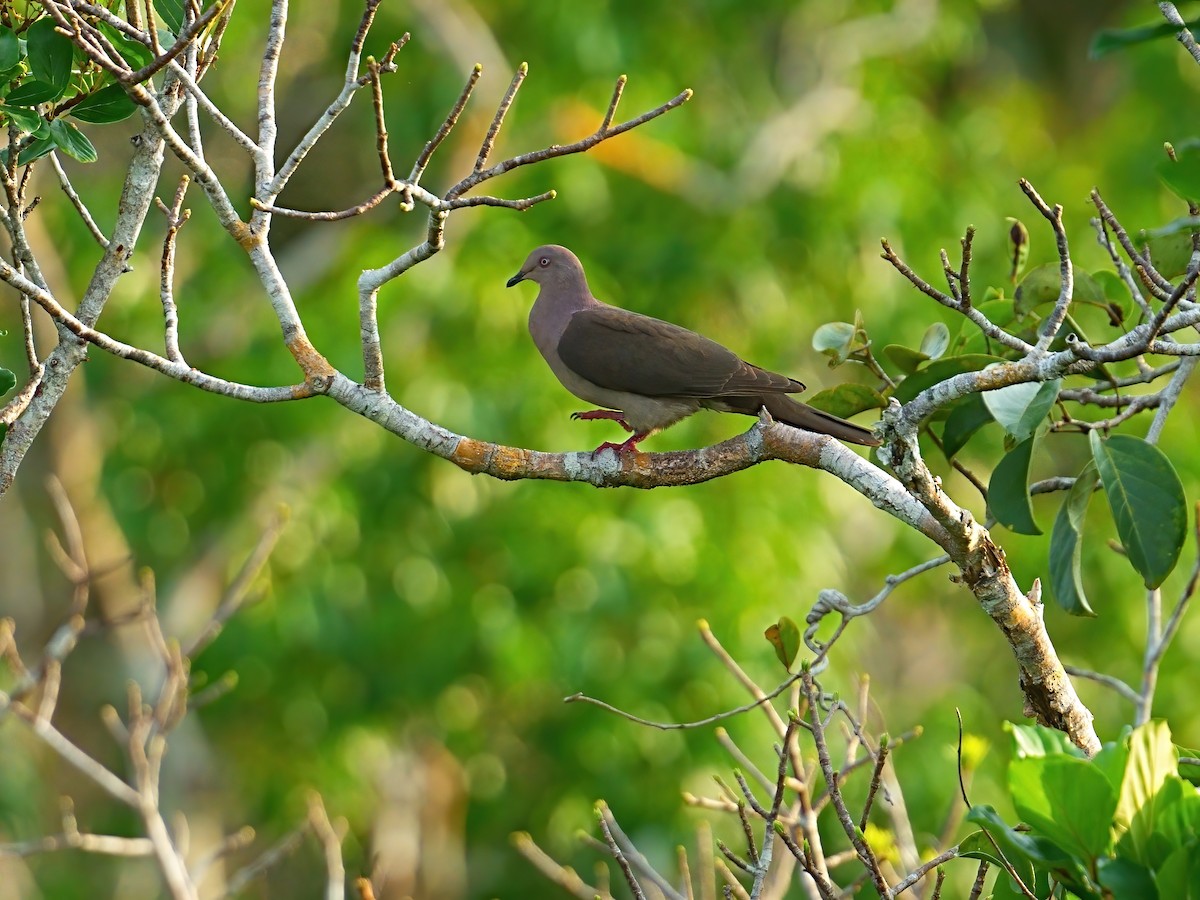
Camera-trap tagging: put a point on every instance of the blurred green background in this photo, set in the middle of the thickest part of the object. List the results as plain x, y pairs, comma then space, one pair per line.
419, 627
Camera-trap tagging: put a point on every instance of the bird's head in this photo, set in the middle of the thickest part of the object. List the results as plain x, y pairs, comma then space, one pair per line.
550, 265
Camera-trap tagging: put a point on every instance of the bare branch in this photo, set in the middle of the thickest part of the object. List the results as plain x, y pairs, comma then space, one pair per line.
1185, 37
68, 189
447, 126
489, 140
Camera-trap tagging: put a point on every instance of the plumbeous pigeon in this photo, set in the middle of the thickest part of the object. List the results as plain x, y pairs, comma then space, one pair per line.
646, 373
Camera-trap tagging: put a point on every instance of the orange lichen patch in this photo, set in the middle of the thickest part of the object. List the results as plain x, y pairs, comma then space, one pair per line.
494, 459
311, 362
246, 238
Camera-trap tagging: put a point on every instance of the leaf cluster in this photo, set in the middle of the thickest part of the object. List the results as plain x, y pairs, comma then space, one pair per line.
1123, 825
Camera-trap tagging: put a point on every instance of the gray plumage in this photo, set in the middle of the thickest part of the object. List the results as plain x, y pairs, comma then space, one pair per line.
648, 374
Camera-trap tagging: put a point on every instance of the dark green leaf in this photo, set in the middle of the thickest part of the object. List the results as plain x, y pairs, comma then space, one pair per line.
1170, 247
939, 370
935, 341
1066, 545
1179, 875
33, 92
784, 636
110, 104
1065, 799
133, 52
1021, 408
1147, 502
904, 358
36, 150
50, 54
977, 846
1116, 293
8, 381
1110, 39
1043, 285
1127, 880
170, 13
1190, 771
845, 400
1182, 174
1018, 248
72, 141
1008, 489
10, 49
967, 417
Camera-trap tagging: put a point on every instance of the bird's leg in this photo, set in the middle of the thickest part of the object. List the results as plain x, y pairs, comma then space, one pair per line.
612, 414
628, 446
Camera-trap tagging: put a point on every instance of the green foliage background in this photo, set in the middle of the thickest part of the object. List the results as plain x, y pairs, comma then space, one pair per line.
412, 607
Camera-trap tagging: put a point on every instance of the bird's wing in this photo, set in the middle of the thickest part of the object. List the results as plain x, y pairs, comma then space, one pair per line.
626, 351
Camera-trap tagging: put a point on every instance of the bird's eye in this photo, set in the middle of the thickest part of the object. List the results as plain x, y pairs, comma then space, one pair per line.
544, 261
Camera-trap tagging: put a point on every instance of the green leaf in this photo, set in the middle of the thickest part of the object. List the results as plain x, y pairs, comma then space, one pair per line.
935, 341
1182, 174
834, 340
1030, 741
1066, 545
1177, 819
33, 92
8, 381
784, 636
1113, 758
10, 49
109, 104
1152, 761
1021, 408
1147, 502
170, 13
1065, 799
845, 400
1008, 489
1018, 847
72, 141
50, 54
939, 370
27, 120
1018, 248
1111, 39
904, 358
967, 417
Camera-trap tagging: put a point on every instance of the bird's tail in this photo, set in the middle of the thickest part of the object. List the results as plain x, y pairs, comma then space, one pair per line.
793, 412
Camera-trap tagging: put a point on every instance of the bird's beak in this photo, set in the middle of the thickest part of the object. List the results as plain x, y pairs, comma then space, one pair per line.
519, 277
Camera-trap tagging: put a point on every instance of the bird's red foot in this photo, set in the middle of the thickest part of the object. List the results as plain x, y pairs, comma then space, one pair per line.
612, 414
628, 446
